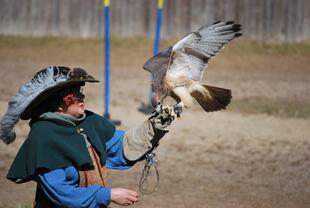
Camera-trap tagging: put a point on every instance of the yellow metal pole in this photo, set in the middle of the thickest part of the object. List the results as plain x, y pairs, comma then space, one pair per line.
106, 3
160, 4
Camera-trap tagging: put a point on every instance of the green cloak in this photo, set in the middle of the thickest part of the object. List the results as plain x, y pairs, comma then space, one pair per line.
53, 144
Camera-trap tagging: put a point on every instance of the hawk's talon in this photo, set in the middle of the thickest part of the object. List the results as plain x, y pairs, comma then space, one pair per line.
178, 109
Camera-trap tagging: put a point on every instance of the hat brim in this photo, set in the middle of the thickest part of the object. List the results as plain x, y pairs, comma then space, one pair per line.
28, 112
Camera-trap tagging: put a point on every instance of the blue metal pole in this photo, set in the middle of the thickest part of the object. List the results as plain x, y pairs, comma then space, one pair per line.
160, 3
107, 58
157, 35
158, 26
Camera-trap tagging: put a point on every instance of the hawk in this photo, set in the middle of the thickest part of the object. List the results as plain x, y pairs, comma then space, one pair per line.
178, 70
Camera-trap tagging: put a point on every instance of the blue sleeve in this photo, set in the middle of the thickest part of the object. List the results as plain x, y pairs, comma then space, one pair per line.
115, 155
61, 186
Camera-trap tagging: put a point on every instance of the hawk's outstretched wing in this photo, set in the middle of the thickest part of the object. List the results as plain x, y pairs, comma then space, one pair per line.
178, 70
191, 54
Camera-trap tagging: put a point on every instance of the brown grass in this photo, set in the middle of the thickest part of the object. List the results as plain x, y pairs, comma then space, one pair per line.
241, 54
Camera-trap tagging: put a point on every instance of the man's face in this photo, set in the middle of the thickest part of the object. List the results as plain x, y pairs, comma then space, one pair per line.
74, 102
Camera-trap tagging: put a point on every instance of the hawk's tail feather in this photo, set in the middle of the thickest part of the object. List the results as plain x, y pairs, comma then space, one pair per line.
212, 98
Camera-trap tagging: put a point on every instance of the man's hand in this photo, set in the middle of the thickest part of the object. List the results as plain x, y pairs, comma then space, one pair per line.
124, 197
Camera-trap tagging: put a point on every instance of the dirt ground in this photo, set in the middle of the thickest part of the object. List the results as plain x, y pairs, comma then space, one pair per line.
234, 158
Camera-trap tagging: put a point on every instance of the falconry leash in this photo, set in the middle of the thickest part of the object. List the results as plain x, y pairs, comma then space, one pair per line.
150, 163
151, 157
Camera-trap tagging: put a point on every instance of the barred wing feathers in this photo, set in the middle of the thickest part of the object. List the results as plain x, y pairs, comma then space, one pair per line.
191, 54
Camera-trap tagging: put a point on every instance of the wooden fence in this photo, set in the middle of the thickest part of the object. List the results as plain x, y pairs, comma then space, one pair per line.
270, 20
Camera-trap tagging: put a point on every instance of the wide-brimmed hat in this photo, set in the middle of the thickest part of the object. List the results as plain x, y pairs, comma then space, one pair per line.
30, 95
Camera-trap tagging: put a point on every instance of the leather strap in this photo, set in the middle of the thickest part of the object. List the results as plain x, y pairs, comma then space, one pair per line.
96, 175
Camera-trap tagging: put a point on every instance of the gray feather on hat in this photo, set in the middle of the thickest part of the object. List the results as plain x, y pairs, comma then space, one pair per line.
25, 95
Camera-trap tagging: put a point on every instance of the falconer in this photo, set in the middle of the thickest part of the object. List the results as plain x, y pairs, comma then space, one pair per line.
69, 149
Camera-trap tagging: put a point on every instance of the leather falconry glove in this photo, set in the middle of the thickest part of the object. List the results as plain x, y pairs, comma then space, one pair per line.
142, 139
